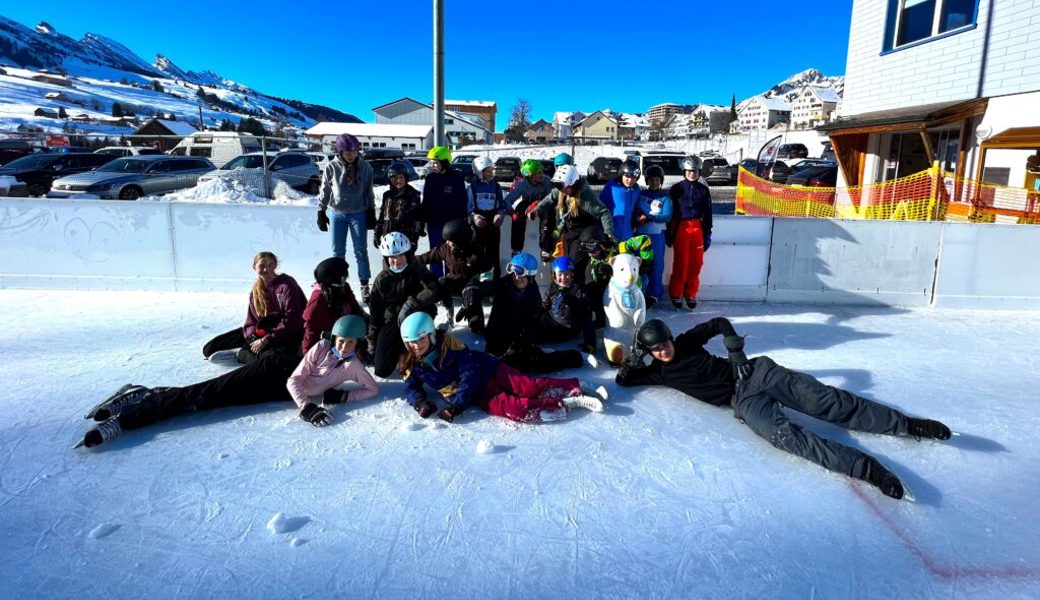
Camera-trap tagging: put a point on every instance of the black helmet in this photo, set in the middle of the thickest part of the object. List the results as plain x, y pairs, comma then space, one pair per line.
653, 333
457, 232
331, 271
629, 168
398, 167
653, 171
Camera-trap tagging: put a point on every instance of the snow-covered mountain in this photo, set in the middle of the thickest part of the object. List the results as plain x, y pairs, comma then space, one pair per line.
787, 89
96, 72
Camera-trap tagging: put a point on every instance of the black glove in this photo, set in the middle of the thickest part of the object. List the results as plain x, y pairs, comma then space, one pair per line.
410, 305
316, 415
425, 408
637, 357
450, 412
370, 218
333, 396
739, 360
323, 221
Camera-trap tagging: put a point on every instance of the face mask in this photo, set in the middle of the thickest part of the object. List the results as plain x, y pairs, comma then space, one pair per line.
337, 354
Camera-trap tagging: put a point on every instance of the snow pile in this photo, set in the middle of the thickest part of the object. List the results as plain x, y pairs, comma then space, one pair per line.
240, 186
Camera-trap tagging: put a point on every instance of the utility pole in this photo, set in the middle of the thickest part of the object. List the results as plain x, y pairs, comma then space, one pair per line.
438, 72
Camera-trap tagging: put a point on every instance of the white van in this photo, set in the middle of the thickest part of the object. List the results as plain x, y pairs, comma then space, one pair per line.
218, 146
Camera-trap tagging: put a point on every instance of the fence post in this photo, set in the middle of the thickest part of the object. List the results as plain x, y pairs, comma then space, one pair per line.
263, 150
934, 181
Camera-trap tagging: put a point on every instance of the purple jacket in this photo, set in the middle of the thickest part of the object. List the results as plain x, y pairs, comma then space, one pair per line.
285, 297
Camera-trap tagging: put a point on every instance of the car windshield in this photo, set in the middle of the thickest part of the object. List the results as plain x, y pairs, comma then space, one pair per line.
252, 161
34, 161
125, 165
671, 165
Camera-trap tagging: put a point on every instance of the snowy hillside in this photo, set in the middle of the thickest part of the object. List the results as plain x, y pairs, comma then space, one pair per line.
787, 89
94, 73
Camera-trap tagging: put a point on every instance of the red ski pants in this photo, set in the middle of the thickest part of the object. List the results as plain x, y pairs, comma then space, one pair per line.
514, 395
687, 260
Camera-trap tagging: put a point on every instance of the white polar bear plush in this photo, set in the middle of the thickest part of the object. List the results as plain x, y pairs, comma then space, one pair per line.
624, 306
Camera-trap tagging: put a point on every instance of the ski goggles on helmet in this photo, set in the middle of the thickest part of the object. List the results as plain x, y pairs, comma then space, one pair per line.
520, 271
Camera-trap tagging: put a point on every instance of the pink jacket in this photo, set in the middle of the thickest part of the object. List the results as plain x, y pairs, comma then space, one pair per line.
320, 370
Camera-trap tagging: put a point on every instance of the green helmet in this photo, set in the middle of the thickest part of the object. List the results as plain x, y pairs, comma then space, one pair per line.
563, 159
439, 153
350, 326
530, 167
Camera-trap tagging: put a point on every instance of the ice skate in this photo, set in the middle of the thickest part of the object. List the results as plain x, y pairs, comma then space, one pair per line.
597, 392
101, 433
227, 358
114, 404
884, 480
590, 403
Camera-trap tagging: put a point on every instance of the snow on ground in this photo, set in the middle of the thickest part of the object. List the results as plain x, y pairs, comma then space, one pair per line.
658, 497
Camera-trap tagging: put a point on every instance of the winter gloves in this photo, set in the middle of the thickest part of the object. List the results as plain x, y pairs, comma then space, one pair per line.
425, 408
739, 360
316, 415
323, 221
370, 218
450, 412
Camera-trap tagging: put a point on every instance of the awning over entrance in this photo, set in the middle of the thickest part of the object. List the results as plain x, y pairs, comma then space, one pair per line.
910, 117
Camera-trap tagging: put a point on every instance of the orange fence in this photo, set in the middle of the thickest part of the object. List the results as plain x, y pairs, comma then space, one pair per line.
931, 195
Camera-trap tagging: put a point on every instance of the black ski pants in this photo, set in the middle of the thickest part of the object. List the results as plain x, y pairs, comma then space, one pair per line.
264, 380
388, 350
232, 340
761, 400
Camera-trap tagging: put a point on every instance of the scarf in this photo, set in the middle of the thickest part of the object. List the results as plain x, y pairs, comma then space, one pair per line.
628, 295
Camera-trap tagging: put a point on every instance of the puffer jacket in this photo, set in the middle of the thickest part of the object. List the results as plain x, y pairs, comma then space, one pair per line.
390, 291
459, 376
320, 370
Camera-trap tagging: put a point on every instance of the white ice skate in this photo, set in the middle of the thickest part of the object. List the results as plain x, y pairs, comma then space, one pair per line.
591, 403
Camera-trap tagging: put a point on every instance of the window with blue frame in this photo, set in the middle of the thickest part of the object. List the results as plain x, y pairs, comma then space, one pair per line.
912, 22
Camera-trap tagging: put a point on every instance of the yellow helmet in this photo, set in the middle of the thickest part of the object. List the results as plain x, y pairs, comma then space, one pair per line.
439, 153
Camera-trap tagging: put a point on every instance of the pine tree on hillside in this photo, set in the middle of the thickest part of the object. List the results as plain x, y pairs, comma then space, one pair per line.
253, 126
61, 113
733, 108
156, 86
117, 109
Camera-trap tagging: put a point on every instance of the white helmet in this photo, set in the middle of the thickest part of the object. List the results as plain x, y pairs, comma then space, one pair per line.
692, 163
565, 174
480, 163
394, 243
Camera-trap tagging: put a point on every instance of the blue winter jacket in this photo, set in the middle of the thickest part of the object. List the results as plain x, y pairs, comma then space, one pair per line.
649, 201
459, 376
619, 199
444, 197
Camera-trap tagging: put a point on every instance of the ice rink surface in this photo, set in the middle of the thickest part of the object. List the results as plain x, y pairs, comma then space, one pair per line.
660, 496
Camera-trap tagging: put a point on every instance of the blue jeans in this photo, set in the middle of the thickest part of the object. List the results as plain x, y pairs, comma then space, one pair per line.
341, 223
655, 285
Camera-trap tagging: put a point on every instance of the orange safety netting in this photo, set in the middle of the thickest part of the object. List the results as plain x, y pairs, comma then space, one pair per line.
930, 195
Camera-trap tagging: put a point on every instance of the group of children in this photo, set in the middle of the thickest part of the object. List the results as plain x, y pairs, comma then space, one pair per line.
306, 350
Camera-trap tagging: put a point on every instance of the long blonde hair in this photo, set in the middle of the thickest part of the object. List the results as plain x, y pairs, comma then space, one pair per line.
259, 289
567, 205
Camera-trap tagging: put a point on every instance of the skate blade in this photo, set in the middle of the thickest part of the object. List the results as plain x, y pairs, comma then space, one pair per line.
908, 495
227, 358
82, 442
592, 360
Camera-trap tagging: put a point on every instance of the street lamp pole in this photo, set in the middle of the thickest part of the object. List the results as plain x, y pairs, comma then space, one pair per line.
438, 72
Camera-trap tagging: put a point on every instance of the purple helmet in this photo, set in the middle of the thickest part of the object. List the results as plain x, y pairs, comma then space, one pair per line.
345, 141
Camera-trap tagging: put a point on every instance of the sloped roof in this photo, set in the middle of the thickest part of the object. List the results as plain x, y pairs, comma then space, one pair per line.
824, 94
177, 127
468, 119
472, 103
370, 129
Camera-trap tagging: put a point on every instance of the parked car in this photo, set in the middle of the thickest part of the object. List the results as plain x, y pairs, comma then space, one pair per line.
463, 163
420, 164
603, 168
131, 177
13, 149
117, 151
792, 151
321, 159
828, 151
548, 167
297, 169
218, 146
374, 153
805, 163
818, 176
778, 174
717, 171
380, 165
507, 168
669, 161
38, 171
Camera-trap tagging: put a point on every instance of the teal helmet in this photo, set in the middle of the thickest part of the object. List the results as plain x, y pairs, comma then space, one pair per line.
350, 326
563, 159
416, 326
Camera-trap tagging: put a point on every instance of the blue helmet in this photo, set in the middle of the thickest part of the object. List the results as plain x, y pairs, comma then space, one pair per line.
349, 326
563, 263
416, 326
563, 159
523, 264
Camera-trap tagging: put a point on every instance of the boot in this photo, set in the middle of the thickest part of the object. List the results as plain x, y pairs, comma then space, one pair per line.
117, 402
366, 292
677, 303
691, 303
928, 429
600, 392
101, 433
882, 478
591, 403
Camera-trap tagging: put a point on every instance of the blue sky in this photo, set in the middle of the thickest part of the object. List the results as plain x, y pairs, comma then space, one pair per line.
581, 55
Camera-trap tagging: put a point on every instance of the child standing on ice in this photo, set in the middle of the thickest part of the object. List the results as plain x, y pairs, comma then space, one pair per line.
465, 377
272, 378
651, 216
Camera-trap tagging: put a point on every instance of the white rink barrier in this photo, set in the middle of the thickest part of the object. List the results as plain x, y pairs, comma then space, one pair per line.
114, 245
